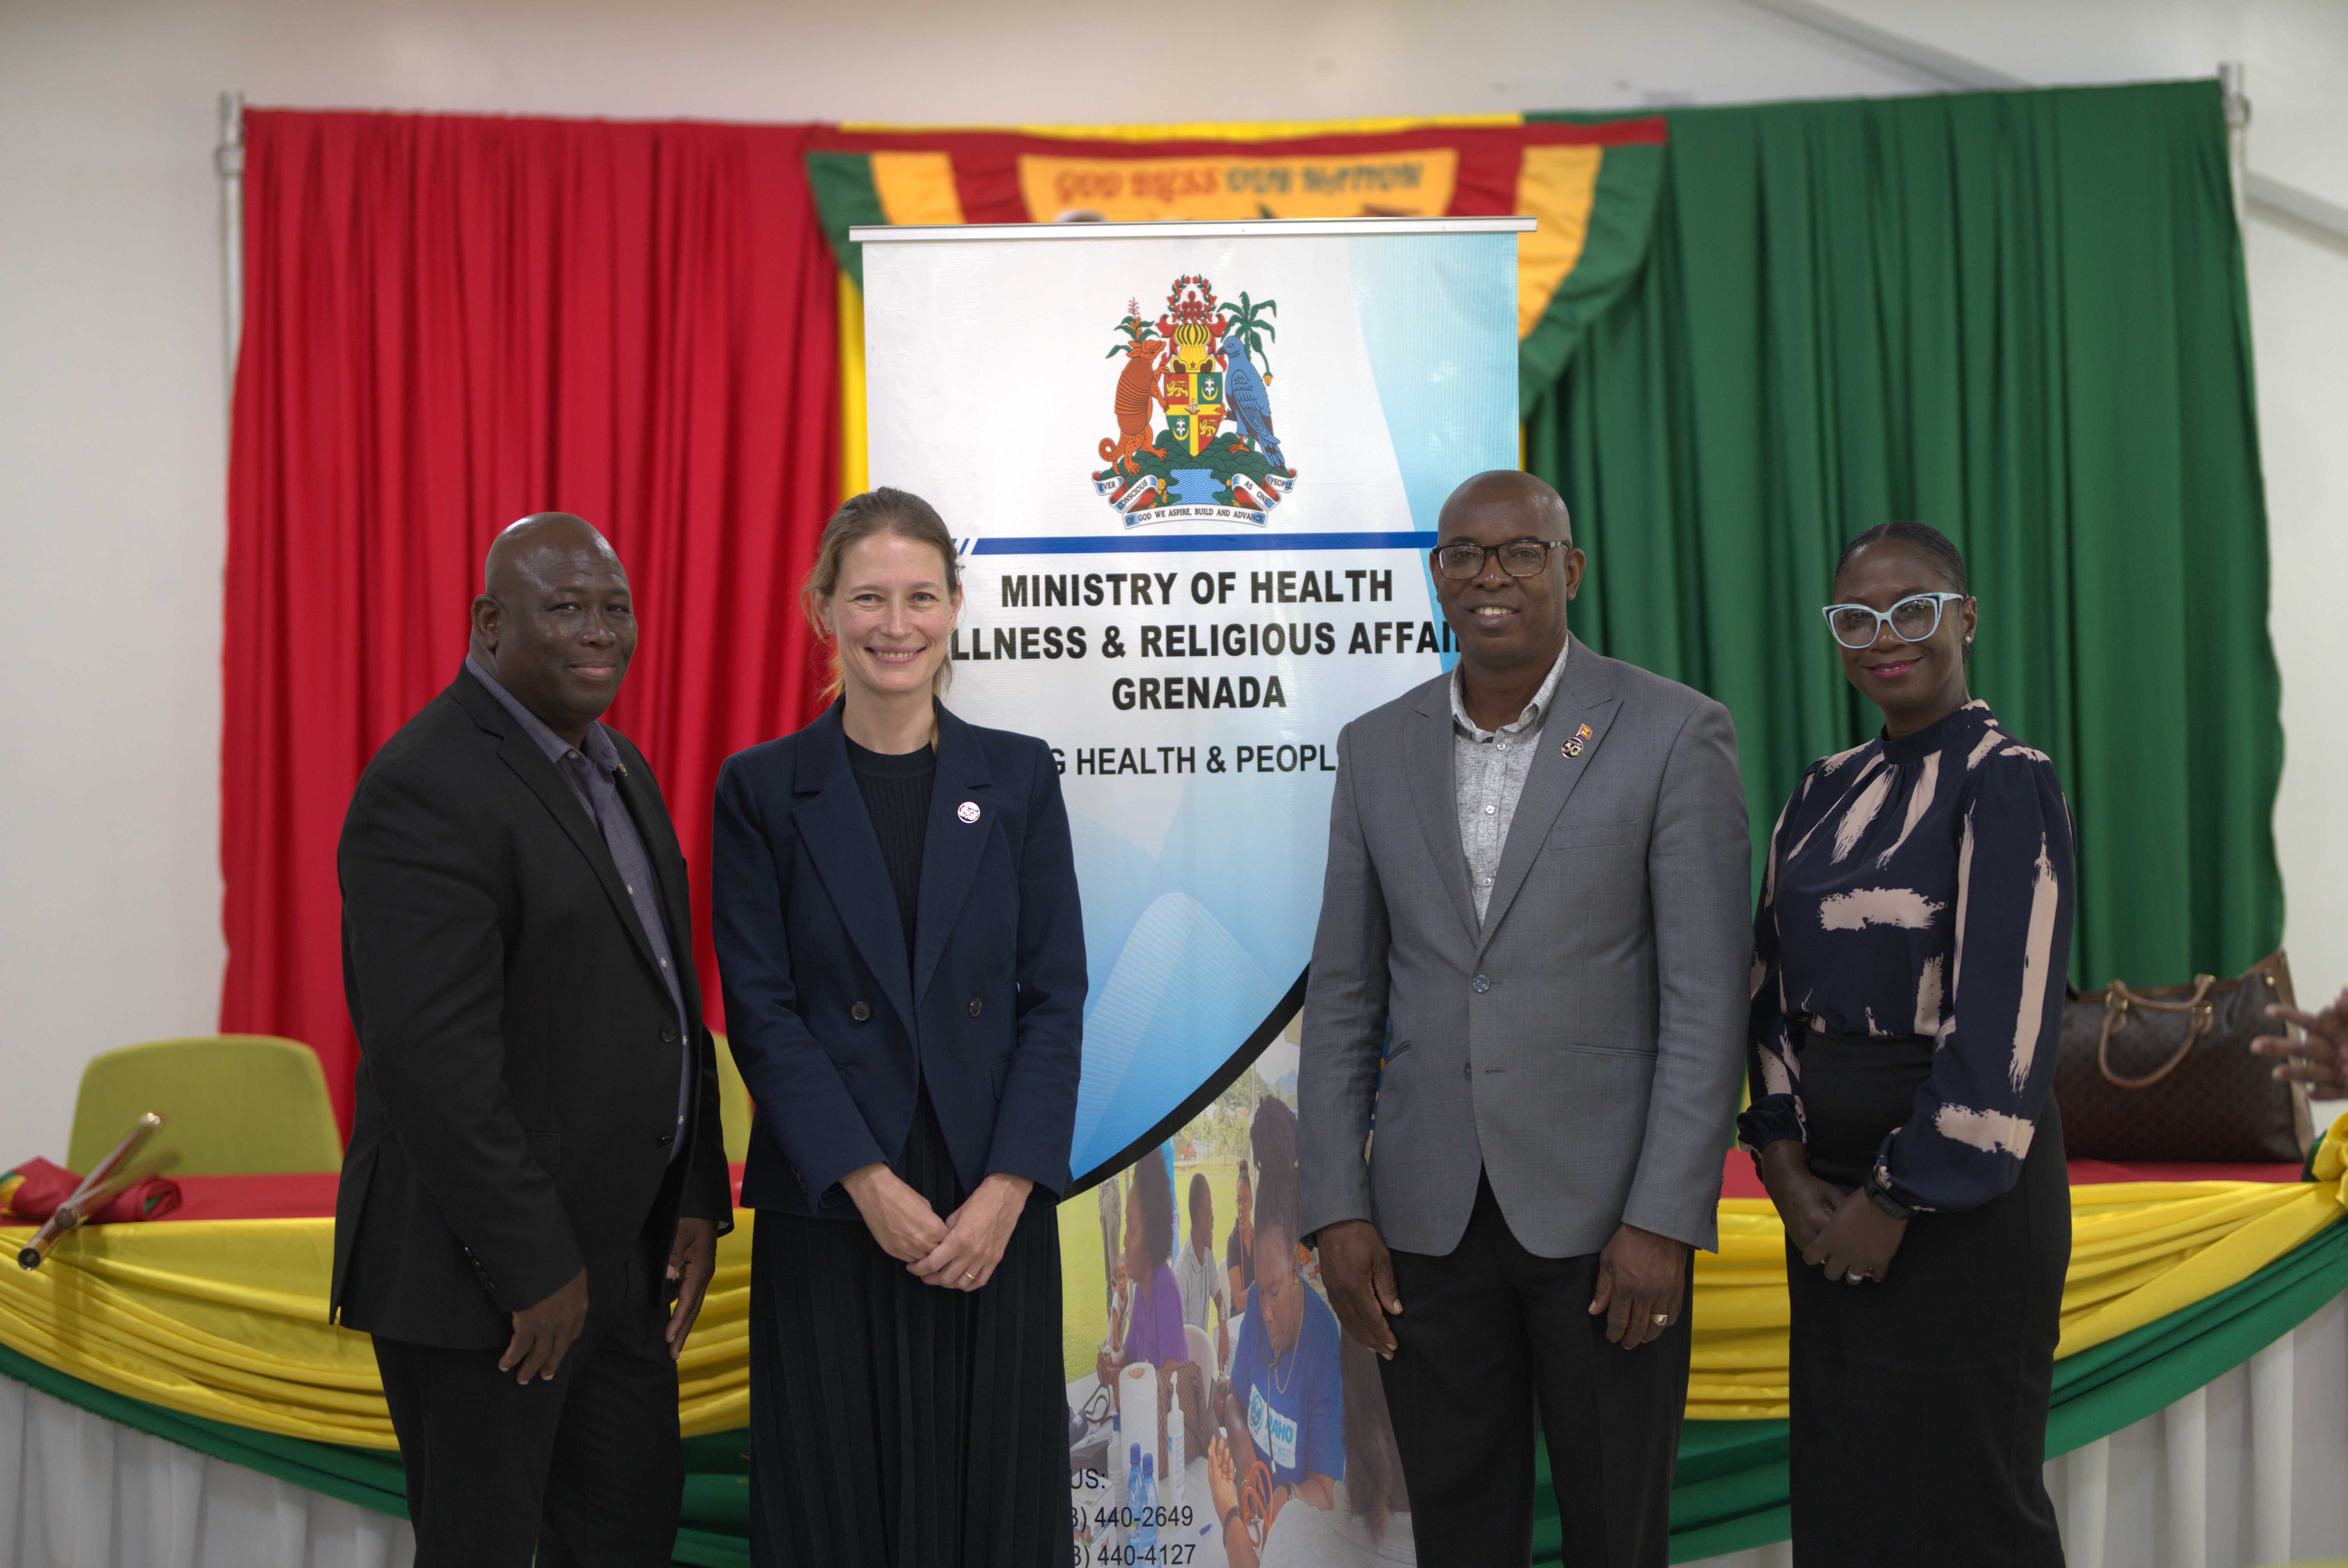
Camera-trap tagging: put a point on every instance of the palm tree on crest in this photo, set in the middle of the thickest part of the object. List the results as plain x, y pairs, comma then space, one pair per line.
1246, 319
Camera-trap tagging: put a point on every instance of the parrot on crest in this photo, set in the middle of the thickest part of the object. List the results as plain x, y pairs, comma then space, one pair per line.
1244, 395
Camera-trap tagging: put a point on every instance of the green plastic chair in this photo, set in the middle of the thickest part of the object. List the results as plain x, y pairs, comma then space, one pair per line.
733, 1105
239, 1105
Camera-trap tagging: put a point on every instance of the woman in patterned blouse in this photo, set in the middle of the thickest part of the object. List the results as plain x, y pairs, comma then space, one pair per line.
1913, 936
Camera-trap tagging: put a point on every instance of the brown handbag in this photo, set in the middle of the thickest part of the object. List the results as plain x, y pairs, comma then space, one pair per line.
2166, 1073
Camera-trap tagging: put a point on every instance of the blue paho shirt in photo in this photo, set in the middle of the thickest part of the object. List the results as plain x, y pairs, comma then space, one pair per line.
1295, 1403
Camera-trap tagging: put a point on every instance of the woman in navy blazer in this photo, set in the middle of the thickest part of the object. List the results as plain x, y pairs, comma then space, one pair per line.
902, 956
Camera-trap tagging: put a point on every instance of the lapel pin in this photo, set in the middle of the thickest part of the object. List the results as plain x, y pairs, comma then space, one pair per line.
1572, 748
967, 810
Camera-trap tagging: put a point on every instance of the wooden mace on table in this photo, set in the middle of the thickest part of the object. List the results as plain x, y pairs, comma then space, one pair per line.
96, 1191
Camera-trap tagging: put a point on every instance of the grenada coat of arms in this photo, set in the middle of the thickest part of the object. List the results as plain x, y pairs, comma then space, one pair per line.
1216, 456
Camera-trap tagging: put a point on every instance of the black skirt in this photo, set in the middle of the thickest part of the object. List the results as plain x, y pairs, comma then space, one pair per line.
894, 1424
1919, 1430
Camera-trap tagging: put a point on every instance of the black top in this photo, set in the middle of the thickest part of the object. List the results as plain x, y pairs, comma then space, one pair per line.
896, 791
1920, 889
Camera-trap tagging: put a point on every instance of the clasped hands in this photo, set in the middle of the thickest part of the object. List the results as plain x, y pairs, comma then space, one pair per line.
1642, 1284
958, 1252
1843, 1233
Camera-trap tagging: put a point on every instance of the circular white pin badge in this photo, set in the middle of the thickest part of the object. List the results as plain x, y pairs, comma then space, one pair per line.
967, 810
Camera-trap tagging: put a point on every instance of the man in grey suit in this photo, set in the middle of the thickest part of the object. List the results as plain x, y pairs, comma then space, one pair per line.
1538, 877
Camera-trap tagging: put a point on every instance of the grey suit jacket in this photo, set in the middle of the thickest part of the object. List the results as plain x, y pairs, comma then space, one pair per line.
1582, 1047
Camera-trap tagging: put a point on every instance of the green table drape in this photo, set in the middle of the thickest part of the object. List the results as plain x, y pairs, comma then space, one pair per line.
2018, 317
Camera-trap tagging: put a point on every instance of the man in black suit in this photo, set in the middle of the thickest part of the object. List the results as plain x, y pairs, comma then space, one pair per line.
536, 1180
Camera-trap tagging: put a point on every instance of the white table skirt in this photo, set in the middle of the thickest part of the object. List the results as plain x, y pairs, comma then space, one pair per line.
2249, 1472
2244, 1472
77, 1490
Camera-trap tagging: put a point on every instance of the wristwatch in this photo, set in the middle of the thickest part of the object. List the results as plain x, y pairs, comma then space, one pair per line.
1880, 1196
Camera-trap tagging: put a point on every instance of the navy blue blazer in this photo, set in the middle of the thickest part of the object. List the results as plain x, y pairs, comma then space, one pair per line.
830, 1022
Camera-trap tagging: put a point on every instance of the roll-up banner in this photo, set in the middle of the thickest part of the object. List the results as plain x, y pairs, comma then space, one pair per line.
1193, 470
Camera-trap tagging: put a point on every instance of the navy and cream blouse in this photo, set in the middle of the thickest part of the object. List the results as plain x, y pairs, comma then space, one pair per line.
1921, 888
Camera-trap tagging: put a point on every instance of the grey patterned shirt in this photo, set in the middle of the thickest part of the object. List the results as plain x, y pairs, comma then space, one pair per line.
1489, 769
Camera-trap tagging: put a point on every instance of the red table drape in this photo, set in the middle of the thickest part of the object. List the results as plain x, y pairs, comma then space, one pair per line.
450, 322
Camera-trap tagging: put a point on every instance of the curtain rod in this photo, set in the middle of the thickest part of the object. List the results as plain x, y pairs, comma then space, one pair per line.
228, 163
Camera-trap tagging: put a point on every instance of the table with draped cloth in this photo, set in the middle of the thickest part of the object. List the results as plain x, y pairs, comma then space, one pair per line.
208, 1331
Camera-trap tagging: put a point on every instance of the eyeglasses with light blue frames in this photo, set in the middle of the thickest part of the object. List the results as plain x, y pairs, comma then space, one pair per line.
1912, 619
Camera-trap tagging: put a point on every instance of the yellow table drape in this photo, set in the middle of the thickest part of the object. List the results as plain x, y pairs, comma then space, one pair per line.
2139, 1251
227, 1318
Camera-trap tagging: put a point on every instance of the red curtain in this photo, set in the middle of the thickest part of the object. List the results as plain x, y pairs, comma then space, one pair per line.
450, 322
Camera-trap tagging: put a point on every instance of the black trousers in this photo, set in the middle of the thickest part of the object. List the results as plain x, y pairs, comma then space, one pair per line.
584, 1470
1919, 1430
1488, 1332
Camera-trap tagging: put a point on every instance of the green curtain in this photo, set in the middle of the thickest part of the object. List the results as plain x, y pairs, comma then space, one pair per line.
2018, 317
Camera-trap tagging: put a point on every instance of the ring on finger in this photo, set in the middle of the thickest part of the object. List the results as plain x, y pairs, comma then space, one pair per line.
1662, 1320
1853, 1277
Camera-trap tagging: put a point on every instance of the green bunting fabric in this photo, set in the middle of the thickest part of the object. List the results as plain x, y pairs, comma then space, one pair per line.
2021, 318
1613, 253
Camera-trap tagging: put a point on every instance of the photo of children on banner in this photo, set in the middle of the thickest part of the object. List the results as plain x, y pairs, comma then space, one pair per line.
1239, 1253
1302, 1466
1110, 1198
1288, 1457
1146, 1324
1204, 1283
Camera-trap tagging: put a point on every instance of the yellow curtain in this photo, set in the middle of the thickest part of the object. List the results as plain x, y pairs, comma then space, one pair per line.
855, 471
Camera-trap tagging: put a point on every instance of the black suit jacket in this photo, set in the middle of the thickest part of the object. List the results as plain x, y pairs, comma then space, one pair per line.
834, 1025
516, 1097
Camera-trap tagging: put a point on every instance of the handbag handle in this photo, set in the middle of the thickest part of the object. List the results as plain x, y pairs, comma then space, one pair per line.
2118, 998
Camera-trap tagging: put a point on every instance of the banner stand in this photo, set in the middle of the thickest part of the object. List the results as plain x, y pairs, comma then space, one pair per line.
1194, 470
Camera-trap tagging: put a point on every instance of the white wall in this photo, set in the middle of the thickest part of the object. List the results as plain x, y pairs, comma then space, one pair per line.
111, 418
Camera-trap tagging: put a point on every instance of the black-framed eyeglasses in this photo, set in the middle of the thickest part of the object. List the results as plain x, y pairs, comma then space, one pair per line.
1519, 558
1912, 619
